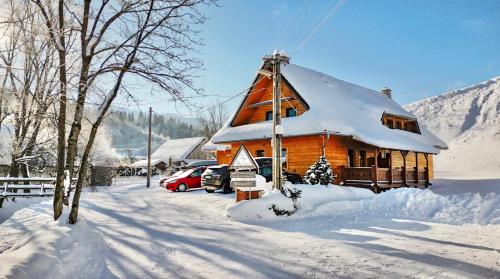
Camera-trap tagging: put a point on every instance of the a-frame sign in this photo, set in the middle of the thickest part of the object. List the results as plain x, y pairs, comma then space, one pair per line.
243, 160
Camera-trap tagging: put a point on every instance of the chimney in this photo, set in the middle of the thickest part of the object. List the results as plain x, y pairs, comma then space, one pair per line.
387, 92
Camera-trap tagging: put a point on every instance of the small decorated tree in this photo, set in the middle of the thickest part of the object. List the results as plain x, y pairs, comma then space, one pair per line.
320, 172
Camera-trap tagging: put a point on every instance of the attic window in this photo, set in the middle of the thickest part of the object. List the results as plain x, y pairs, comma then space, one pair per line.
400, 123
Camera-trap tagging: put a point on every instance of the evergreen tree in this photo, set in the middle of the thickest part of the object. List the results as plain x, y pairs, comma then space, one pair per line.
320, 172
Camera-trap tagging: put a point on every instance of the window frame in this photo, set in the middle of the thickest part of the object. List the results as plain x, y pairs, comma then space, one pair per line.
269, 113
258, 151
290, 110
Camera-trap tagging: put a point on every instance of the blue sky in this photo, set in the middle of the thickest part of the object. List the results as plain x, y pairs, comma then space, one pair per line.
417, 48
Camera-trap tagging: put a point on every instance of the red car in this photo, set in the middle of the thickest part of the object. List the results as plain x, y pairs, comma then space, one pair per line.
187, 180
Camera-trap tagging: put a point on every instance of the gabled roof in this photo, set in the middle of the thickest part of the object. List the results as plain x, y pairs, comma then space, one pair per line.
177, 149
341, 108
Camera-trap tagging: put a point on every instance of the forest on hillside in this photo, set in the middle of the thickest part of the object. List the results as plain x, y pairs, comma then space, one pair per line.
130, 129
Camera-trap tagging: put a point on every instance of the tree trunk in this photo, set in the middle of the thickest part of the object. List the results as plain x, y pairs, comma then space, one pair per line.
61, 120
73, 216
76, 126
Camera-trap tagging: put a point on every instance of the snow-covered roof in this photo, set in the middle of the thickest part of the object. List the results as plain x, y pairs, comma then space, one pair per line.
340, 108
144, 163
177, 149
210, 146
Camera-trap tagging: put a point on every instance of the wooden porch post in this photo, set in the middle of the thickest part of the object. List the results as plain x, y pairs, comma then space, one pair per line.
416, 167
404, 153
390, 167
375, 172
427, 180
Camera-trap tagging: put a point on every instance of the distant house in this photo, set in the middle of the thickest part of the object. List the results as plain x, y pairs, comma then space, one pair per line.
213, 148
156, 163
369, 139
181, 152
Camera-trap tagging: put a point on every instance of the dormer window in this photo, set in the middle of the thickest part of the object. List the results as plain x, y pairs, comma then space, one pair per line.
400, 123
291, 112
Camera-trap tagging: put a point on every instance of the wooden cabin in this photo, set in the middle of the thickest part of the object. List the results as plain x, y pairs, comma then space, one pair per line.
369, 140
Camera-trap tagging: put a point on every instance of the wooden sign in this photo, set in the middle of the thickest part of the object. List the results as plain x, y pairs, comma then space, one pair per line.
243, 183
243, 160
243, 174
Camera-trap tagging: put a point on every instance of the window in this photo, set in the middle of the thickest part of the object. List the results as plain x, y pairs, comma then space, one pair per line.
196, 173
266, 171
400, 123
259, 153
291, 112
390, 123
269, 115
350, 157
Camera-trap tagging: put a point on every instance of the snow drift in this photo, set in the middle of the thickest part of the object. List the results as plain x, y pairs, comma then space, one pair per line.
403, 203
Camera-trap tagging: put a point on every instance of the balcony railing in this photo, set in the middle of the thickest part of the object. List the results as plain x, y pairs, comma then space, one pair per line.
376, 178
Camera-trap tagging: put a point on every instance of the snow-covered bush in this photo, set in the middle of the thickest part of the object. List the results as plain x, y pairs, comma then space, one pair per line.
320, 172
292, 193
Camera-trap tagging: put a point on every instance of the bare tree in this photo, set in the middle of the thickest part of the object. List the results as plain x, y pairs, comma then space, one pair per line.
212, 118
152, 40
60, 31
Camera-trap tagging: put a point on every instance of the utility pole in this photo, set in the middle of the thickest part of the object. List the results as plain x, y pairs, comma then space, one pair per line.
275, 61
148, 183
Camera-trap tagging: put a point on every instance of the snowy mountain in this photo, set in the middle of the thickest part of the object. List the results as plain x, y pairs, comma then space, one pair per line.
468, 120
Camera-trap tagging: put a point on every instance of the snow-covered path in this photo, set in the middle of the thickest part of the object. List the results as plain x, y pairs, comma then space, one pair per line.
132, 232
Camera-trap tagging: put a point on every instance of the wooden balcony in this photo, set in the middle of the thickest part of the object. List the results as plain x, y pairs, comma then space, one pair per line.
379, 179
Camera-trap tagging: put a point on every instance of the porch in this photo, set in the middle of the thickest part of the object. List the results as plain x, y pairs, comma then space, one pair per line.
388, 176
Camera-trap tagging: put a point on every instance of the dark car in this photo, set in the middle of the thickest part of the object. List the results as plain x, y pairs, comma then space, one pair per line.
199, 163
216, 177
266, 170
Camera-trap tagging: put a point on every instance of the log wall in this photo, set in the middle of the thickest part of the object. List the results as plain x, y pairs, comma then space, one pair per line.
303, 151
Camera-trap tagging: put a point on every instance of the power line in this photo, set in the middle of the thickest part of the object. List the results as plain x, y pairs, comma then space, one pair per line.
320, 24
291, 23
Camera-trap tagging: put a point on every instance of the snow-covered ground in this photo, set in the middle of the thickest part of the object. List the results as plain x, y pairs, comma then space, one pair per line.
128, 231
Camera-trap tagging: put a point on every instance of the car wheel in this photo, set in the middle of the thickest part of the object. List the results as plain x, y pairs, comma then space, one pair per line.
209, 190
182, 187
226, 188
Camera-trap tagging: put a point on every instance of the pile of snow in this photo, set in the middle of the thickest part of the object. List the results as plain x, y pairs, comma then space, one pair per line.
404, 203
311, 197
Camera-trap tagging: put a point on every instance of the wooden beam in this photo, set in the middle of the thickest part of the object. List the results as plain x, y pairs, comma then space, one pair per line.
416, 167
404, 153
427, 180
375, 173
390, 167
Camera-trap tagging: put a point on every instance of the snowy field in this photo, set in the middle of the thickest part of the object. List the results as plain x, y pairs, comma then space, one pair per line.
128, 231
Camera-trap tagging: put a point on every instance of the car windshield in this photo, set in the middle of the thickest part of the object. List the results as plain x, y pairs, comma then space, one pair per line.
185, 173
177, 173
220, 169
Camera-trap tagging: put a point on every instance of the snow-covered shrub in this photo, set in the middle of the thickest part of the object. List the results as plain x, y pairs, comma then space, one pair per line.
320, 172
291, 193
